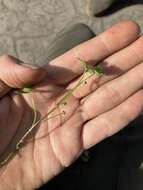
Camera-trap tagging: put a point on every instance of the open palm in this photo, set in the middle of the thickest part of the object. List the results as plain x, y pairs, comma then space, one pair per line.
95, 111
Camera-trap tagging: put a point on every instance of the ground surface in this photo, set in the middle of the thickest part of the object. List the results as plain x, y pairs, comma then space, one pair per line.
27, 27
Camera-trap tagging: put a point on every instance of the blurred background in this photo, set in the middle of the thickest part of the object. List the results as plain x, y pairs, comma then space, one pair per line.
28, 27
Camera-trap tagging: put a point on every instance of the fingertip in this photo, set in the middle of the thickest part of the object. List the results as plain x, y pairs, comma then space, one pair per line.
129, 27
132, 26
28, 74
120, 35
17, 74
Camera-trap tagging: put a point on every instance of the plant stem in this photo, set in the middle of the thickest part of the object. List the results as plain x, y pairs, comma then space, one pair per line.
87, 68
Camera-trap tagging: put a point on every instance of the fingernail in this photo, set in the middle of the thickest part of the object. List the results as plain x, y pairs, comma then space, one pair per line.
30, 66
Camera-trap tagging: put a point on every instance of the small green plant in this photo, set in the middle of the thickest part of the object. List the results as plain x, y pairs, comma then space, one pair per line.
90, 69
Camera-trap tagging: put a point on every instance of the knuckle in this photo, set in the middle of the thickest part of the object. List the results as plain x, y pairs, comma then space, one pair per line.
138, 72
111, 94
137, 48
107, 128
127, 114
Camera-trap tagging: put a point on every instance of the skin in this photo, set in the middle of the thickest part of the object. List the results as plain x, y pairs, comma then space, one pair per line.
96, 110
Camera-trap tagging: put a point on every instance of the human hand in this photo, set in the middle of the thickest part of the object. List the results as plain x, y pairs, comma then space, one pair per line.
91, 114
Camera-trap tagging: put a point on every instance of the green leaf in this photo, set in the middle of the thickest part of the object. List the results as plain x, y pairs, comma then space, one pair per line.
27, 89
90, 68
99, 69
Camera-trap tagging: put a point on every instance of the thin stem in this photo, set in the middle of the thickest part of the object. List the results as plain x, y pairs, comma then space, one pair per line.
25, 135
34, 120
34, 123
87, 68
70, 92
34, 108
7, 158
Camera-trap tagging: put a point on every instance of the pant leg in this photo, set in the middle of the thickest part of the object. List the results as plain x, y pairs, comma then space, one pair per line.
131, 169
99, 170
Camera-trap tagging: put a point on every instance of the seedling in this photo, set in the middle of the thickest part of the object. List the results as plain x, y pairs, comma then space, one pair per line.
90, 69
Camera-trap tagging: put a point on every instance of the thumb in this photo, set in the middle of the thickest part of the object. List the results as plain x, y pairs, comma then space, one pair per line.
19, 75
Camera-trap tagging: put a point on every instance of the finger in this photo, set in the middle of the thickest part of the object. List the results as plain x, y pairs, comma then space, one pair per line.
113, 66
112, 121
3, 88
19, 75
112, 93
66, 67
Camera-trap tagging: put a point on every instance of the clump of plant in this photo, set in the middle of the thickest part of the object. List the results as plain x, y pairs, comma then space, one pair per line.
88, 69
